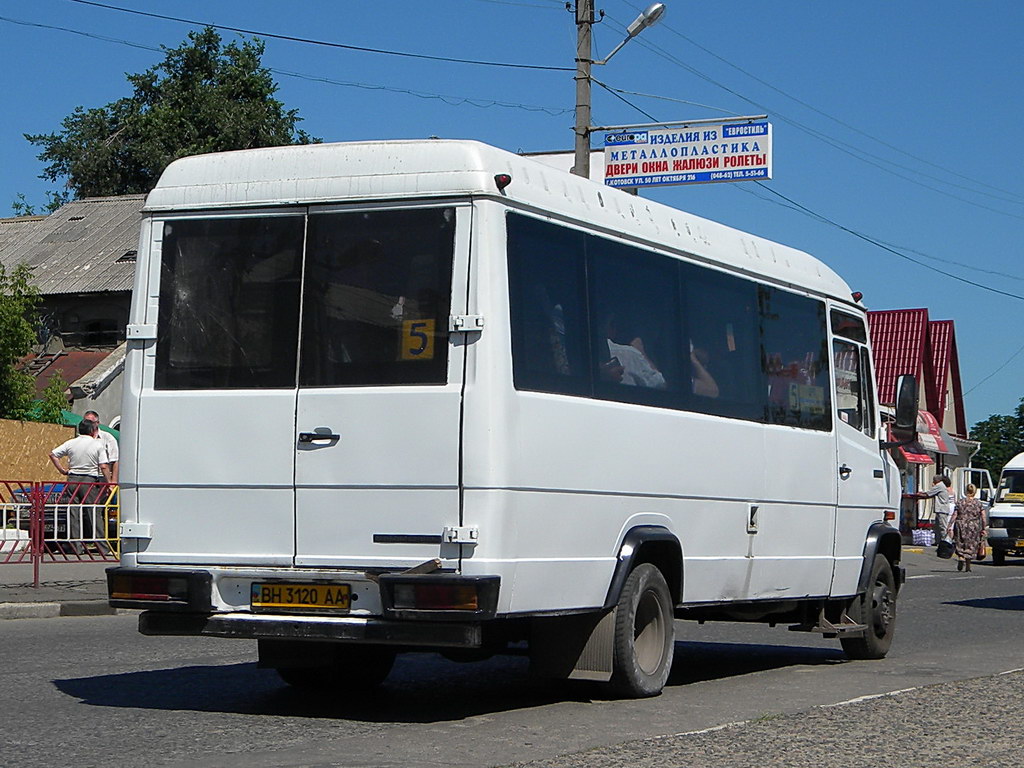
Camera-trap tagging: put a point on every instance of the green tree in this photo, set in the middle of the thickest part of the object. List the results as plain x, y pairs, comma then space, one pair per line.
22, 207
203, 97
19, 300
1001, 437
52, 401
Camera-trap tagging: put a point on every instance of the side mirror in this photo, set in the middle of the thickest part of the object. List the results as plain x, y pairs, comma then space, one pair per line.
984, 494
905, 427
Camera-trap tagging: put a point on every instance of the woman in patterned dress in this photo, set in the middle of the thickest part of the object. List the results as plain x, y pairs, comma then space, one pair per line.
969, 525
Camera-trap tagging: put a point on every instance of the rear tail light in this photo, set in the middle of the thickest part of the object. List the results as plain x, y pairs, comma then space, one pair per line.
160, 588
437, 597
442, 597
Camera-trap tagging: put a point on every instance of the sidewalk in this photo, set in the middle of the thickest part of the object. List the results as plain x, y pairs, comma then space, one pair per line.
65, 589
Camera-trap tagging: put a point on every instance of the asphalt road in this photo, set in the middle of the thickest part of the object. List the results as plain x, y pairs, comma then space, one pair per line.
91, 691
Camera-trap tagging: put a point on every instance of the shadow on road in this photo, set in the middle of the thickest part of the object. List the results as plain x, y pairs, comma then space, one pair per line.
1007, 603
423, 688
698, 662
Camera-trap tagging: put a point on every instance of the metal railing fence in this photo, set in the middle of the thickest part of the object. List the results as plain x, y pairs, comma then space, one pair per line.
58, 522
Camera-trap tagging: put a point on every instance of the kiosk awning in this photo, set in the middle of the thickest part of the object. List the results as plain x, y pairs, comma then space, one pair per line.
932, 437
914, 452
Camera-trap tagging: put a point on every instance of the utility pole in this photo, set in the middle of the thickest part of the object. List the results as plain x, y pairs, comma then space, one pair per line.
584, 25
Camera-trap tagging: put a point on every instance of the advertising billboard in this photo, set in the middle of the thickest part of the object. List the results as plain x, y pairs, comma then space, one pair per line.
698, 154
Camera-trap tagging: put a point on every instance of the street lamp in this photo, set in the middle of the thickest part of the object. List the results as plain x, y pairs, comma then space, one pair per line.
584, 22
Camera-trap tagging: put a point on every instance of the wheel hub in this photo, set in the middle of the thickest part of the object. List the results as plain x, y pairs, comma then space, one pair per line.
649, 633
881, 608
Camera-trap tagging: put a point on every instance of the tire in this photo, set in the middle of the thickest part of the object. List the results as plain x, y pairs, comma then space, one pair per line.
877, 609
998, 556
644, 634
356, 667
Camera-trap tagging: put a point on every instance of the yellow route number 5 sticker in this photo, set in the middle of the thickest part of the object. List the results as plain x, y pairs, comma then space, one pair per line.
418, 339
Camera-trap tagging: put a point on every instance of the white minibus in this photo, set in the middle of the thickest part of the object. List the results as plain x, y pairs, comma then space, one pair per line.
431, 395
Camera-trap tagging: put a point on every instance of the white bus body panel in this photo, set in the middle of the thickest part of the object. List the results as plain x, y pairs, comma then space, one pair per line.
552, 482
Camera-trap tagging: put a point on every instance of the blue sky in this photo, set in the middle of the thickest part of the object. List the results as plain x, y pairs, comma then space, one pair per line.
898, 121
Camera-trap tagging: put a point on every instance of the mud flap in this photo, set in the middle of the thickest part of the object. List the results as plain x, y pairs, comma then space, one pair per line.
574, 647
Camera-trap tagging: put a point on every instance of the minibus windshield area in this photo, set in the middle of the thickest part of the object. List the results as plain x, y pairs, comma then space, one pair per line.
352, 298
1011, 486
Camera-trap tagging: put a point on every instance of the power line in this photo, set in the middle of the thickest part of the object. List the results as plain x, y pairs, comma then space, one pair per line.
1014, 197
446, 98
882, 164
879, 244
615, 93
666, 98
902, 248
997, 370
452, 101
324, 43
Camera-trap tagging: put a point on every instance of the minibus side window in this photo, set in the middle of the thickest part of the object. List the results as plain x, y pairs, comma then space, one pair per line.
794, 360
849, 382
548, 307
229, 303
634, 325
376, 298
720, 345
855, 396
868, 394
849, 327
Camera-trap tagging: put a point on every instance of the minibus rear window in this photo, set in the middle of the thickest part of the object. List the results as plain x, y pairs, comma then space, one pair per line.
374, 289
376, 299
229, 303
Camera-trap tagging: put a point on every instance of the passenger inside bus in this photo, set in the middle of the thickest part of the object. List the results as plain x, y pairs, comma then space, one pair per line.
628, 362
704, 383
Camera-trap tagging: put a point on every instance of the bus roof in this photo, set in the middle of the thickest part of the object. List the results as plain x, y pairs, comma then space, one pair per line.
404, 170
1017, 462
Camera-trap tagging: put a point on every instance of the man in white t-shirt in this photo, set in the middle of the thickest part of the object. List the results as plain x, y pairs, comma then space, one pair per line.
110, 443
944, 501
88, 464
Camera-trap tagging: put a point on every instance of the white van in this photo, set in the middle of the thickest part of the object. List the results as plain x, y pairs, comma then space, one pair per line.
1006, 515
405, 395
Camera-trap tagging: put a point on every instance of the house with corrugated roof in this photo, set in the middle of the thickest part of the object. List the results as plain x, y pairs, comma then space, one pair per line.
908, 341
82, 258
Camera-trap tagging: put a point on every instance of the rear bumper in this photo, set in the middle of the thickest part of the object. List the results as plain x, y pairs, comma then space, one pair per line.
1005, 543
351, 629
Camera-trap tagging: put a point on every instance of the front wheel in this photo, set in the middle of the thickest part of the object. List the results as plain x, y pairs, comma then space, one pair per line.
644, 634
877, 609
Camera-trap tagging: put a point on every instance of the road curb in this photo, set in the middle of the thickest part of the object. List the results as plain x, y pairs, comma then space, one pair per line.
52, 610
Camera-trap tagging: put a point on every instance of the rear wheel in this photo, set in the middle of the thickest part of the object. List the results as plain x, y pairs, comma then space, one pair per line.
877, 609
998, 556
644, 634
353, 667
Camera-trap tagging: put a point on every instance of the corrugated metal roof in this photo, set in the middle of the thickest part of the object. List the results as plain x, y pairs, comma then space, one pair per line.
77, 248
906, 341
898, 339
72, 363
14, 230
946, 364
940, 340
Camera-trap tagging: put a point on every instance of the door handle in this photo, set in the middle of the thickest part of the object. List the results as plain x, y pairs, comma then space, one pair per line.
309, 437
844, 471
